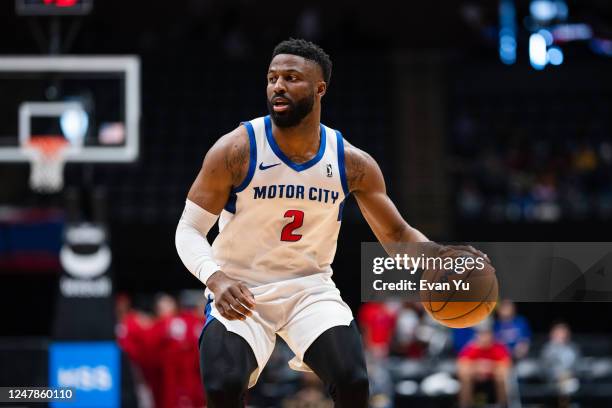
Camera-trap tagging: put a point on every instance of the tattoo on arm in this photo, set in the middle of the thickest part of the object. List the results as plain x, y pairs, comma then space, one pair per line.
355, 169
235, 162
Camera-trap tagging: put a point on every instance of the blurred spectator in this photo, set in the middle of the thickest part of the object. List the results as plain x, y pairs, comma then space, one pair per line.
483, 361
462, 337
381, 382
512, 330
164, 351
585, 159
377, 323
133, 336
524, 174
123, 306
277, 380
405, 340
470, 200
559, 357
416, 334
165, 306
176, 336
311, 394
434, 337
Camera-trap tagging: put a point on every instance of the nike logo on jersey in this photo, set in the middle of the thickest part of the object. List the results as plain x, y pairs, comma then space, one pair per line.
262, 167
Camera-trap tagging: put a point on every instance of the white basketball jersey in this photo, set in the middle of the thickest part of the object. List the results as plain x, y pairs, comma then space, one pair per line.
283, 221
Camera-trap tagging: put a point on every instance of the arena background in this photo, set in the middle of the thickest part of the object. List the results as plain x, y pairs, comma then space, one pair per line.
473, 149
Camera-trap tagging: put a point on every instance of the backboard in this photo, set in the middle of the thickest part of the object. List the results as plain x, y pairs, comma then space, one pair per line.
92, 101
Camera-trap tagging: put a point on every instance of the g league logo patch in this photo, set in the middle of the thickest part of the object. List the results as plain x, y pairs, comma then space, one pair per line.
329, 170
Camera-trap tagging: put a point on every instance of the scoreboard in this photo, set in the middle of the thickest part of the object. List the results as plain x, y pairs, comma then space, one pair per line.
53, 7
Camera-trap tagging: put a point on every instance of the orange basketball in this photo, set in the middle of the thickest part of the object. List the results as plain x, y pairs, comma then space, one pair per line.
455, 306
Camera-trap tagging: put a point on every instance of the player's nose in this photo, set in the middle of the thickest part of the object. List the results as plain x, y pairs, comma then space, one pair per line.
280, 86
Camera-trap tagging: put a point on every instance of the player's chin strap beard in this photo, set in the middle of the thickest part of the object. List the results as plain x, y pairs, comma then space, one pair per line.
297, 111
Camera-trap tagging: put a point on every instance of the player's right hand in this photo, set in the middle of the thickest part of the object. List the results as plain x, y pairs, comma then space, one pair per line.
232, 298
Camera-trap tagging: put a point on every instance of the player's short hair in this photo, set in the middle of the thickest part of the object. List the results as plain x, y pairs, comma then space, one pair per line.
307, 50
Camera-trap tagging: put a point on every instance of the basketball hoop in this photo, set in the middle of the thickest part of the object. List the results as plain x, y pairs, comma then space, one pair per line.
47, 155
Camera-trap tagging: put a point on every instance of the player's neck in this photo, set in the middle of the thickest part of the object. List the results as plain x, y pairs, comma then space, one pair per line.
301, 138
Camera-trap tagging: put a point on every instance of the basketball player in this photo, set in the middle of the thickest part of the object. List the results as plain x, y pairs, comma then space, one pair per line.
279, 184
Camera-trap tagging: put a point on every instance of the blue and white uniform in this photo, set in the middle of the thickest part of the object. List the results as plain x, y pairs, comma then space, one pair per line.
278, 234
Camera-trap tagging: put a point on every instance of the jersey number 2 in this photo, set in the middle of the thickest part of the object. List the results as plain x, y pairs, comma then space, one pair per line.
287, 232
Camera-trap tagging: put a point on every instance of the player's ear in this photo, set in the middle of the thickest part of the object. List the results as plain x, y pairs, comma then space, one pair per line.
321, 88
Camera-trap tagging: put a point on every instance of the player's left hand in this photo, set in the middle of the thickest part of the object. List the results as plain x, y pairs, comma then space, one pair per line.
233, 299
450, 250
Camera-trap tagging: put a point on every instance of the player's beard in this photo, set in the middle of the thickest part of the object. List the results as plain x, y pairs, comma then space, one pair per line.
294, 114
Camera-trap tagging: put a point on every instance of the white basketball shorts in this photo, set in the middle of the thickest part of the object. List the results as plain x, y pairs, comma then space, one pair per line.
299, 310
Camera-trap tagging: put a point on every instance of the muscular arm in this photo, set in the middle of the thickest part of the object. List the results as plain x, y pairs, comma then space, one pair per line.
367, 184
224, 166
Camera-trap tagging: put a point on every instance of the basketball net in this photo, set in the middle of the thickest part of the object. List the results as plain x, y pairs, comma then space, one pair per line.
47, 155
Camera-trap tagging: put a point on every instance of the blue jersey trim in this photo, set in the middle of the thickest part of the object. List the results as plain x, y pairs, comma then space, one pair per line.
231, 202
208, 311
209, 318
252, 158
340, 148
341, 208
279, 153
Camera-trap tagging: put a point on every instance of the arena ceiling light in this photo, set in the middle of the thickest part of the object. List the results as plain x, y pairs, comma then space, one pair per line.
507, 32
543, 10
555, 56
538, 55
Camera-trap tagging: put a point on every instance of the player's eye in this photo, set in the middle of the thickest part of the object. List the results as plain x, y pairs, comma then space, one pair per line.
271, 79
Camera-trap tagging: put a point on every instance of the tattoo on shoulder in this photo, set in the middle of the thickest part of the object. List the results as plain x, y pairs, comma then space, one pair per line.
355, 169
236, 161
